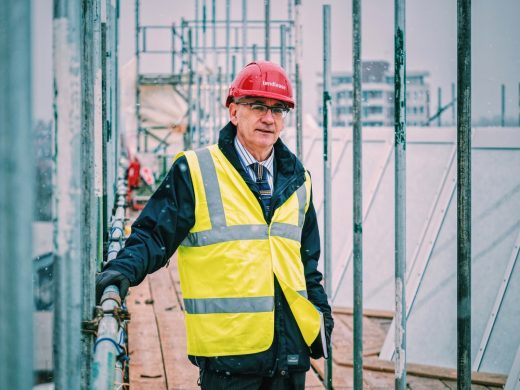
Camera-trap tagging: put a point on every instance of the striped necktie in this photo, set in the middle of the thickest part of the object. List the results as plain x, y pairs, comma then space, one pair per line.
263, 185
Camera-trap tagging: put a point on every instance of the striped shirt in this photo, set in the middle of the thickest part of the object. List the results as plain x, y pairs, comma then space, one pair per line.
247, 159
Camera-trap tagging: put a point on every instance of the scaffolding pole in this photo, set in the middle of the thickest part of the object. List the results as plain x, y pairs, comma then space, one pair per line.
216, 95
189, 130
137, 70
283, 45
244, 33
439, 106
453, 106
503, 105
463, 194
400, 192
298, 79
358, 197
228, 37
89, 212
98, 130
326, 173
267, 29
17, 196
67, 230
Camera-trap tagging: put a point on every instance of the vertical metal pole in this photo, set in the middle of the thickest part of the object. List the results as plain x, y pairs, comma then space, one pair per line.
137, 70
255, 52
98, 130
439, 106
197, 24
67, 232
216, 95
267, 29
233, 66
428, 107
16, 196
228, 37
219, 98
400, 193
173, 31
326, 172
283, 45
463, 194
503, 106
244, 33
188, 139
453, 105
104, 119
204, 31
198, 108
298, 79
90, 64
290, 43
358, 197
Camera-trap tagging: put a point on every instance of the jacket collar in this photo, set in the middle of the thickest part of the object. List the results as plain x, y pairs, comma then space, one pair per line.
286, 163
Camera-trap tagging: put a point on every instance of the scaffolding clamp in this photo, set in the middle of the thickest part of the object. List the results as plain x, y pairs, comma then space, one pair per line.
91, 326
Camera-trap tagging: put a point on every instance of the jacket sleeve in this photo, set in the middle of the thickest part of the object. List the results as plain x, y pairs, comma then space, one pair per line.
160, 228
310, 253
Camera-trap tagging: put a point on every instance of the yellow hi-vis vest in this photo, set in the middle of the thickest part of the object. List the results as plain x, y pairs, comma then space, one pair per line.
228, 262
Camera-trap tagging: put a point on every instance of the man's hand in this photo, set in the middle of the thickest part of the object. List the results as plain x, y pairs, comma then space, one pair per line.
111, 277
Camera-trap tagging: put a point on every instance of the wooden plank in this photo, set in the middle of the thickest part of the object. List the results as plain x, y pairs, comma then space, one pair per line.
180, 373
366, 312
312, 381
146, 365
477, 378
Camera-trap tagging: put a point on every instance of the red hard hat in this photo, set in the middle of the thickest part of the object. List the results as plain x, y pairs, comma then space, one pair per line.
263, 79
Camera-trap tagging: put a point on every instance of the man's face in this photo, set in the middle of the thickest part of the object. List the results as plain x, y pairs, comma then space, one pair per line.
256, 130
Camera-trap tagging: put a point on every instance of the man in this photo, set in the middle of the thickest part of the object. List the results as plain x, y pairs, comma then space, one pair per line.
241, 216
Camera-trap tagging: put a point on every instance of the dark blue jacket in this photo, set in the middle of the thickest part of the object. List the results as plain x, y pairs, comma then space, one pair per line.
168, 217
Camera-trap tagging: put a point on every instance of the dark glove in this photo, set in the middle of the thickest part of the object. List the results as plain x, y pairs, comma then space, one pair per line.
317, 349
108, 278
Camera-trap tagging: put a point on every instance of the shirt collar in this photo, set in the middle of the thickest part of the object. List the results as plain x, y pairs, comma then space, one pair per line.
247, 158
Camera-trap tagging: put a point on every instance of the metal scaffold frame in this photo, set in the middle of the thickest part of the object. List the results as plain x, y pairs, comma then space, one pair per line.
197, 77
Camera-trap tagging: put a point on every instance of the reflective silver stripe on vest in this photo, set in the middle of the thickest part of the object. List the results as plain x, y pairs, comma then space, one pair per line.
211, 187
301, 193
226, 233
286, 230
303, 293
220, 232
229, 305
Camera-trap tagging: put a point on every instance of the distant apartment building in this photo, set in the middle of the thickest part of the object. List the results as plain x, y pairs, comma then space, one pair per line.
377, 96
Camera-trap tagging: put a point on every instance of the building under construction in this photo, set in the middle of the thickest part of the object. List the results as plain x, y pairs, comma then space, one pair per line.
420, 224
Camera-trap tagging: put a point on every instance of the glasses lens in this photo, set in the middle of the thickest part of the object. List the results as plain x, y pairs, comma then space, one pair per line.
259, 109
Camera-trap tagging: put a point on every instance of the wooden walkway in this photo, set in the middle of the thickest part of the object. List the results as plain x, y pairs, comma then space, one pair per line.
158, 360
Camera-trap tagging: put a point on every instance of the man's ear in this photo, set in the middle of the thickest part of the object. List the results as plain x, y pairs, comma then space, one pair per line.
233, 108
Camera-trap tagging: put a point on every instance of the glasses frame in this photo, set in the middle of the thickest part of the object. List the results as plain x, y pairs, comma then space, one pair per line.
282, 114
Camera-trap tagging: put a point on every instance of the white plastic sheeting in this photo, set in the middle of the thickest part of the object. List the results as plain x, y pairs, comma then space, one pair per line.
431, 236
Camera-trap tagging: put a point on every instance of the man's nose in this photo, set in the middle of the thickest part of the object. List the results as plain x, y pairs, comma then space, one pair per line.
268, 117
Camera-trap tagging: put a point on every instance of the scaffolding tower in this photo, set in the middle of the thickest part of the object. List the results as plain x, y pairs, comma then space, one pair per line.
201, 59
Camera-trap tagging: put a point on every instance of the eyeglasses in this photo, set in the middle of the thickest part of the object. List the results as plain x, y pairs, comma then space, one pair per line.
261, 109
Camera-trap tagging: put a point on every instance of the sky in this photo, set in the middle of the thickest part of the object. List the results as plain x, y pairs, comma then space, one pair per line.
431, 44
